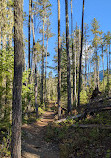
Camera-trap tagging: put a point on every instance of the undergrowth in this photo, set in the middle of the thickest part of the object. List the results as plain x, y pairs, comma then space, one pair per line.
82, 142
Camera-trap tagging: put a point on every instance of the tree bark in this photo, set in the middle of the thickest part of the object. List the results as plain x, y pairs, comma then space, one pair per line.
42, 73
80, 59
103, 67
35, 65
72, 49
75, 75
109, 60
85, 64
29, 32
45, 88
17, 82
59, 63
68, 58
107, 70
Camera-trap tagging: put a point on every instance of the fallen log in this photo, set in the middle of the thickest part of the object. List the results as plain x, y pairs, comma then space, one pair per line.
98, 109
100, 100
71, 117
89, 111
92, 126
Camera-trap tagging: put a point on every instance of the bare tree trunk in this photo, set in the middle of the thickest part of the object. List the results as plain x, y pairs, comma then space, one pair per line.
95, 76
35, 62
103, 66
97, 68
68, 58
98, 73
0, 38
107, 71
80, 60
75, 75
45, 89
85, 67
72, 49
17, 82
29, 32
88, 74
0, 27
42, 73
109, 60
59, 64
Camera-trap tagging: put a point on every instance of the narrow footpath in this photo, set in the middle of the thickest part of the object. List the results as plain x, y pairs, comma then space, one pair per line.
33, 142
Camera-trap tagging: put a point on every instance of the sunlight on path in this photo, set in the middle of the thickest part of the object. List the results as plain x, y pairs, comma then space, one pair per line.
33, 143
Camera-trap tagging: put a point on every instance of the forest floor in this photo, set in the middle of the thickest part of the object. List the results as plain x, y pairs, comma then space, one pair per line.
88, 137
33, 139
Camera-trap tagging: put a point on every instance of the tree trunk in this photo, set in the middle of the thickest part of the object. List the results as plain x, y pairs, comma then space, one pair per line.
85, 67
17, 82
98, 73
109, 59
103, 67
80, 60
35, 63
97, 68
75, 74
59, 63
45, 88
29, 32
107, 71
72, 49
68, 58
42, 73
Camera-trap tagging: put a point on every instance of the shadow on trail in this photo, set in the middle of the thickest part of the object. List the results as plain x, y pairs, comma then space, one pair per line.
33, 142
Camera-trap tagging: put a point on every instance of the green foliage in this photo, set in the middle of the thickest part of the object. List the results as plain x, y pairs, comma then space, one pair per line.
108, 155
6, 81
78, 142
106, 84
5, 145
83, 97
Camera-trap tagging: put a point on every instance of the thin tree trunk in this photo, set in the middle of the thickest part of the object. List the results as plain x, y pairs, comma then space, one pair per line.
35, 62
0, 38
109, 59
97, 69
29, 32
59, 64
89, 74
107, 70
95, 76
75, 74
68, 58
103, 67
42, 73
17, 82
80, 60
85, 67
98, 73
72, 49
29, 65
45, 89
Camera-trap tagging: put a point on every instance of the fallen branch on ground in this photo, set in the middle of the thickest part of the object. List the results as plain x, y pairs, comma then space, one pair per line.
92, 125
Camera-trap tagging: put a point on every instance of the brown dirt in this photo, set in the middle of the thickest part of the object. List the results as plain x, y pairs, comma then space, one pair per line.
33, 142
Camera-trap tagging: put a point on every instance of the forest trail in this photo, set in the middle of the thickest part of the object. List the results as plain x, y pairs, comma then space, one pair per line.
33, 143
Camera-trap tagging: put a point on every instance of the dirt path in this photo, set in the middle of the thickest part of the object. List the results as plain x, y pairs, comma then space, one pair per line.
33, 143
